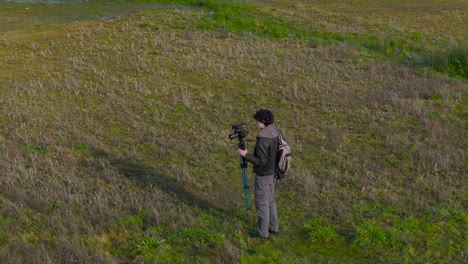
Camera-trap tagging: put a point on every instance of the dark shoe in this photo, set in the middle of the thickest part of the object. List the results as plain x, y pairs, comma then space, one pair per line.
255, 234
273, 232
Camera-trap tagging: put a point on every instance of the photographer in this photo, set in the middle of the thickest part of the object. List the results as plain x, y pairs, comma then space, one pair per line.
263, 160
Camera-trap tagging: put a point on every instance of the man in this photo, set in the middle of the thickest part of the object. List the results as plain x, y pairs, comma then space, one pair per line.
264, 160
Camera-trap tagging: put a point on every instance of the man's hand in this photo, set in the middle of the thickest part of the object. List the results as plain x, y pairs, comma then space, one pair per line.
242, 152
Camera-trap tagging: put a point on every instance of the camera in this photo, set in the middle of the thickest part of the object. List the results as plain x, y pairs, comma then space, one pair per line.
238, 131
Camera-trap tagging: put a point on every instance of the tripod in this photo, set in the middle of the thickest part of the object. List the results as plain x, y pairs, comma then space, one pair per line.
245, 179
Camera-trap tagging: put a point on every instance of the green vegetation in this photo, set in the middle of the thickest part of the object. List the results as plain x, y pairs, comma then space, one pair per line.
246, 18
114, 121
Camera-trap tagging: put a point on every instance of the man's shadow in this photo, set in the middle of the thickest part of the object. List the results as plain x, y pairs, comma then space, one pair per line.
147, 176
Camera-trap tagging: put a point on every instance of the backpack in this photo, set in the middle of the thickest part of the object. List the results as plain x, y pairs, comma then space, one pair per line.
283, 157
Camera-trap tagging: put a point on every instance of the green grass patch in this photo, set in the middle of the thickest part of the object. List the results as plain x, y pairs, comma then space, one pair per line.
453, 61
42, 150
317, 230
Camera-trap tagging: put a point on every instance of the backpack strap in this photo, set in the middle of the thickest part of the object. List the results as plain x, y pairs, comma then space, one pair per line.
281, 137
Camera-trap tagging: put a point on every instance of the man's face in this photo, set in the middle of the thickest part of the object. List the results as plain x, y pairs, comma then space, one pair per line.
260, 124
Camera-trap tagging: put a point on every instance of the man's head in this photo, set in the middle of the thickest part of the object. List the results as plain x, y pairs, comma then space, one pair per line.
264, 116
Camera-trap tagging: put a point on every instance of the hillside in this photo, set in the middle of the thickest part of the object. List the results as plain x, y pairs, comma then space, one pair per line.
114, 123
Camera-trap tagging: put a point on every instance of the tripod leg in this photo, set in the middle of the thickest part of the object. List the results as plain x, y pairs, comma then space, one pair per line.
245, 181
246, 190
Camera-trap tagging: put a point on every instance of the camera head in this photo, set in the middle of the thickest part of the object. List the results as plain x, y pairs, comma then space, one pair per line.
238, 131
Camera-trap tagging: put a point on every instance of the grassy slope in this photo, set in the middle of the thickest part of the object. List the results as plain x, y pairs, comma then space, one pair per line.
114, 139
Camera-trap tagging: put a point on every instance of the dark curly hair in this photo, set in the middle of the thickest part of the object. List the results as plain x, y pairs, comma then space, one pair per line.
264, 116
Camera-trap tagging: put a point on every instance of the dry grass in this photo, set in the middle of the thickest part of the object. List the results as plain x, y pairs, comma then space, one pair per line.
114, 145
372, 17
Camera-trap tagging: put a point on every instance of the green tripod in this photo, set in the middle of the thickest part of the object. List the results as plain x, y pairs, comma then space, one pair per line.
245, 179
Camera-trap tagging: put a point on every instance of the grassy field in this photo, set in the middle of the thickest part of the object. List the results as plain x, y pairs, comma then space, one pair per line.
114, 123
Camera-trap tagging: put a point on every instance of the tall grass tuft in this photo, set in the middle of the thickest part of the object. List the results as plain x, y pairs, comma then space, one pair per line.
369, 234
453, 61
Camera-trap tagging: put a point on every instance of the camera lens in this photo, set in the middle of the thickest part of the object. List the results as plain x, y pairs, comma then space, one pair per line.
233, 135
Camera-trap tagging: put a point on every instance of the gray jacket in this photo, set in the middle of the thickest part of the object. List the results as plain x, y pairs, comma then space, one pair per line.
264, 156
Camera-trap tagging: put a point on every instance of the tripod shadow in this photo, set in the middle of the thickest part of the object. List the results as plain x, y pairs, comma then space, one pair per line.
147, 176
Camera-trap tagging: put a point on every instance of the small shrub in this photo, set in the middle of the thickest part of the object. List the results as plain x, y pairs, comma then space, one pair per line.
35, 148
80, 147
317, 230
145, 25
454, 62
370, 234
196, 237
150, 241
